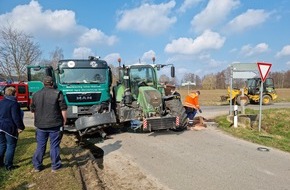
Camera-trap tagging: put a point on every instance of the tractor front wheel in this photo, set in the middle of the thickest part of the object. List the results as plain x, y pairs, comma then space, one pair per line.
266, 100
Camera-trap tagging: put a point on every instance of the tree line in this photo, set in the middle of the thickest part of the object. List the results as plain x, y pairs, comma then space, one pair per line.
18, 49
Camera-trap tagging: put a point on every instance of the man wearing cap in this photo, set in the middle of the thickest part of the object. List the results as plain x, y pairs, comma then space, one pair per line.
174, 92
49, 110
191, 105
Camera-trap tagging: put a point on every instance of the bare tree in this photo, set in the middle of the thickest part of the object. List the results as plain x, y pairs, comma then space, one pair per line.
278, 78
189, 77
220, 80
55, 56
17, 50
209, 82
287, 79
163, 78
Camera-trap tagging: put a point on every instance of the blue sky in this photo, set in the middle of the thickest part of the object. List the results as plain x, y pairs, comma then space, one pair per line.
197, 36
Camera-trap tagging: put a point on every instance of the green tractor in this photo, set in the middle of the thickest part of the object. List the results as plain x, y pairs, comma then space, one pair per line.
139, 100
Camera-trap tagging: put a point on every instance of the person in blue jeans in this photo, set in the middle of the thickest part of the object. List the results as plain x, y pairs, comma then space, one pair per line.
49, 110
11, 124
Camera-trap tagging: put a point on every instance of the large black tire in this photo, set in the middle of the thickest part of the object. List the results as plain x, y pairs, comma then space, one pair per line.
176, 108
266, 100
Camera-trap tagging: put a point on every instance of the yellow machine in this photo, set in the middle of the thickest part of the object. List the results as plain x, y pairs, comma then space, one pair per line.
252, 92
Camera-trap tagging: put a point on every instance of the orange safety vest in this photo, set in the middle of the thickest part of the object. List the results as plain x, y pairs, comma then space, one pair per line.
191, 100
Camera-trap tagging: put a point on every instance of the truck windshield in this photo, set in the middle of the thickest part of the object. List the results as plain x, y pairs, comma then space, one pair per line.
82, 75
36, 74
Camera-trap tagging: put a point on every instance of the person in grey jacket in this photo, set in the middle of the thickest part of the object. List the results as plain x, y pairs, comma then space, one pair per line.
11, 124
49, 108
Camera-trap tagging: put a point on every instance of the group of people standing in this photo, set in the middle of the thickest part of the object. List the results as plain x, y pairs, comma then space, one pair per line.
49, 110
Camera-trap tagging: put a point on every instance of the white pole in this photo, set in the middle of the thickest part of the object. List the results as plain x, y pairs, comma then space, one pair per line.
261, 101
235, 116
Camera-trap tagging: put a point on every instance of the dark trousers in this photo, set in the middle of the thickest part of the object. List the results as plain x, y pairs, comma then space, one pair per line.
7, 149
42, 136
191, 112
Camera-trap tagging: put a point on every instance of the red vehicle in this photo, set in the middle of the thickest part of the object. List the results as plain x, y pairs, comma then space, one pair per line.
22, 93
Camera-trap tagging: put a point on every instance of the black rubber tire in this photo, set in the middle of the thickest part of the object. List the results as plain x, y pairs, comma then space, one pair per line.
176, 108
266, 100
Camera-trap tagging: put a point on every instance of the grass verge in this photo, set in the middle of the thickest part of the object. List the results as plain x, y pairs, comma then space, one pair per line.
275, 129
23, 178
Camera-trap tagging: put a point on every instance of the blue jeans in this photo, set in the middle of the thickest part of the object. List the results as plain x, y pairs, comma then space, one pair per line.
191, 112
42, 136
7, 149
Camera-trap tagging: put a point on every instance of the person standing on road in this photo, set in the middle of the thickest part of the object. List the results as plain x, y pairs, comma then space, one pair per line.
11, 124
191, 105
49, 110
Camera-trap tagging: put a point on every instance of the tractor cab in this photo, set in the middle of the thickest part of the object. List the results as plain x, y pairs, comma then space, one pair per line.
254, 84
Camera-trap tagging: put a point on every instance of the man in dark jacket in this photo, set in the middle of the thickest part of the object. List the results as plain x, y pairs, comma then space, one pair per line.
11, 124
172, 91
49, 110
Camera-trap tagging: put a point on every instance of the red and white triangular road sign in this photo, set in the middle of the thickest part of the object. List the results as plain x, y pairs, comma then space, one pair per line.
264, 69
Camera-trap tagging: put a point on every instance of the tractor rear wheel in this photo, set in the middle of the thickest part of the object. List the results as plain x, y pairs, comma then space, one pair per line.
176, 108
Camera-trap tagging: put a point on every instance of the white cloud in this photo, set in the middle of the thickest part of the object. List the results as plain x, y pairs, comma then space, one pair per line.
214, 13
208, 40
284, 52
82, 53
288, 63
95, 36
32, 19
147, 19
113, 58
187, 4
249, 50
57, 25
247, 20
147, 56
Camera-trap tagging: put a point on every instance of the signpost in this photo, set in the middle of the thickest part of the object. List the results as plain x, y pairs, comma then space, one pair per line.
264, 69
188, 83
241, 71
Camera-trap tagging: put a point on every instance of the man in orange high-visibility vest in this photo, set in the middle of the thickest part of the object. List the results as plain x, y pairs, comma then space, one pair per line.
191, 106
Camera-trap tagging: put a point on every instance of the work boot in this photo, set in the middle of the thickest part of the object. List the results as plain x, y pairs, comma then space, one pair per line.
10, 168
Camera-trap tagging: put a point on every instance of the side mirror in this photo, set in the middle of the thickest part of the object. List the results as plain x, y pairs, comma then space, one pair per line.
172, 71
158, 67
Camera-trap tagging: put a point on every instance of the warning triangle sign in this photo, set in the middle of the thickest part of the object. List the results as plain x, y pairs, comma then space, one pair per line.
264, 69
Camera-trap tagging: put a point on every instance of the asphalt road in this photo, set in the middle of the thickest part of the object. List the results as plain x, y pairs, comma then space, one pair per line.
207, 159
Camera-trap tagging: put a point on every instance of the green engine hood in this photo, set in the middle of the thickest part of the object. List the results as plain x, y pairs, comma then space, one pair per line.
149, 99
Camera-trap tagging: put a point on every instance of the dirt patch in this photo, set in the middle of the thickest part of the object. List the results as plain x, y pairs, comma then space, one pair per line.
112, 172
